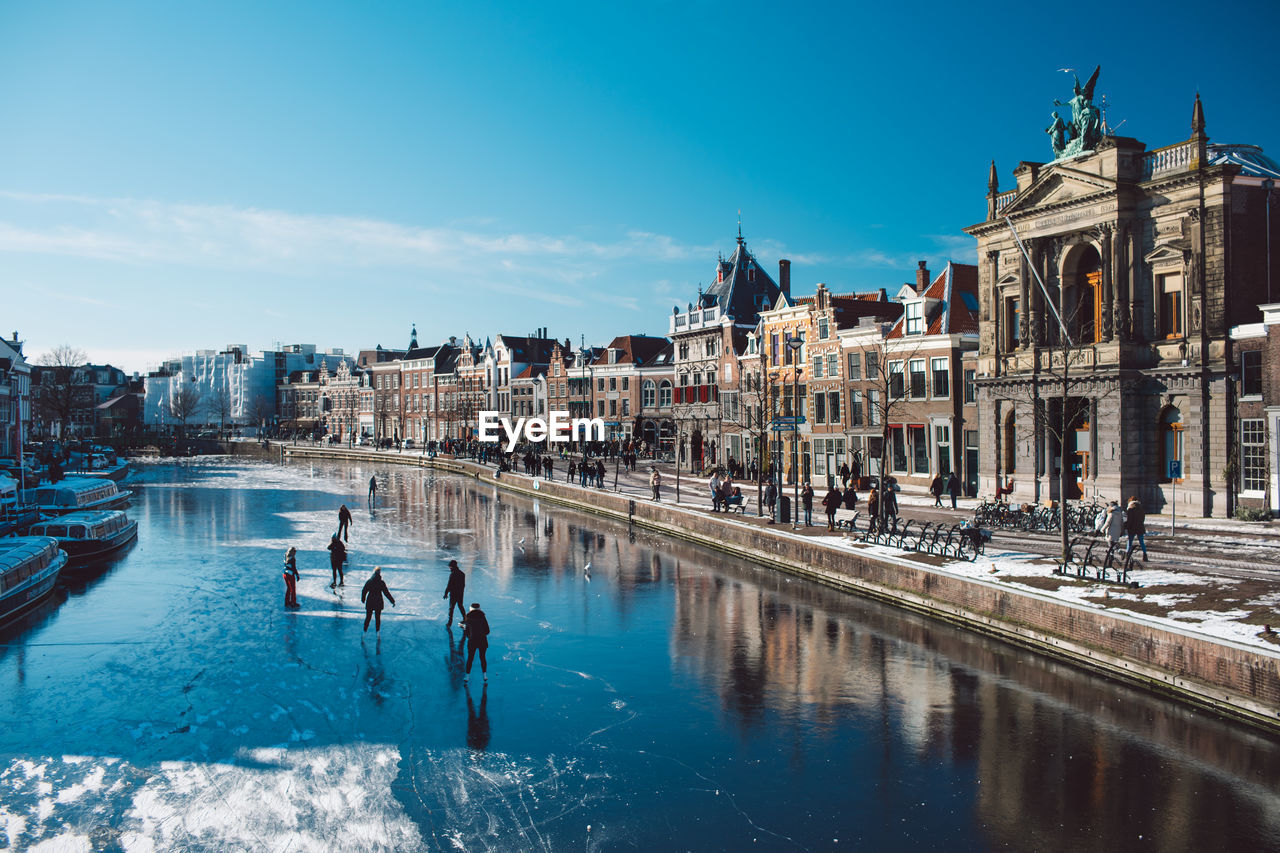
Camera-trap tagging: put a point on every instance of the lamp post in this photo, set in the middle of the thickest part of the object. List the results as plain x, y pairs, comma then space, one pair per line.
794, 344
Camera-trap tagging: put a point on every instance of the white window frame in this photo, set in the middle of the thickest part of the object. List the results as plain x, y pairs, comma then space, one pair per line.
933, 372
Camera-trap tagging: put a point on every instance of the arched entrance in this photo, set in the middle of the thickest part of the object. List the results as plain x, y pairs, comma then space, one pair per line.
1082, 297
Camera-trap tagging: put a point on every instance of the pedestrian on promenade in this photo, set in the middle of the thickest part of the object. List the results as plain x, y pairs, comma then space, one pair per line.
476, 628
344, 522
953, 488
770, 498
600, 473
373, 488
549, 466
714, 485
844, 475
291, 578
655, 483
890, 501
573, 469
454, 592
832, 502
337, 556
374, 588
851, 497
1135, 524
935, 489
1114, 524
873, 510
806, 501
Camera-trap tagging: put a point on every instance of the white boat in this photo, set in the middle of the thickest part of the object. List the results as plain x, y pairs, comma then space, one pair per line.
29, 567
77, 493
14, 517
89, 534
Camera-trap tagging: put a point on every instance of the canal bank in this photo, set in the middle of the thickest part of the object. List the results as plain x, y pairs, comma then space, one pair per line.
1224, 677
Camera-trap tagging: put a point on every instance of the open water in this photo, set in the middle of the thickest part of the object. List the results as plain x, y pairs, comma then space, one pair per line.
644, 694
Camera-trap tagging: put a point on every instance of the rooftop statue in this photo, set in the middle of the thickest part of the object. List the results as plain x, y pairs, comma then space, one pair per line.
1084, 131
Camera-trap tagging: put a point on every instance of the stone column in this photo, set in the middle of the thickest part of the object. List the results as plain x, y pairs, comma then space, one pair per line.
1134, 324
1119, 276
1026, 321
994, 306
1107, 332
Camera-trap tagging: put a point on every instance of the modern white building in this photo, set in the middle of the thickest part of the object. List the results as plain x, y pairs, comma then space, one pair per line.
233, 386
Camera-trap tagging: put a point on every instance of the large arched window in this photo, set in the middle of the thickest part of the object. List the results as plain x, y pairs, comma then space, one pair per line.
1170, 441
648, 394
1010, 443
664, 394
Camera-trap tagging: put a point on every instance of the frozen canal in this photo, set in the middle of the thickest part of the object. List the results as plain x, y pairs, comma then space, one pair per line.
667, 698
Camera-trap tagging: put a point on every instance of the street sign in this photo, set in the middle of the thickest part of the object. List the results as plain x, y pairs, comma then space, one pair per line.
1175, 469
788, 422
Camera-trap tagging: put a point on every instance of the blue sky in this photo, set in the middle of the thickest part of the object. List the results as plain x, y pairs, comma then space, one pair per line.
178, 176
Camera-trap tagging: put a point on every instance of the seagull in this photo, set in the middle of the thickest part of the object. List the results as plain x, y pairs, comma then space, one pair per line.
1066, 70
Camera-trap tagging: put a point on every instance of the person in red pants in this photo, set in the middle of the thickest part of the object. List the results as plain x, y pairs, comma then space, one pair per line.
290, 578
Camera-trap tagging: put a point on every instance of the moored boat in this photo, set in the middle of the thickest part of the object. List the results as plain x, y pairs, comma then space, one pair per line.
89, 534
77, 493
14, 517
29, 567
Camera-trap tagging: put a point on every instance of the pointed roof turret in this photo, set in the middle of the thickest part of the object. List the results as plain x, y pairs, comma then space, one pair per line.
413, 337
1197, 118
993, 180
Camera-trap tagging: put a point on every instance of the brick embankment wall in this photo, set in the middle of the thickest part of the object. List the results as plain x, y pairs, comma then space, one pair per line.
1228, 678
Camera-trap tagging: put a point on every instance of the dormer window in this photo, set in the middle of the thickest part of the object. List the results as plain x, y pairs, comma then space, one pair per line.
915, 318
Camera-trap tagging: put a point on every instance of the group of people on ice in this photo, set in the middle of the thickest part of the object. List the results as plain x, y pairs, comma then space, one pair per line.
475, 625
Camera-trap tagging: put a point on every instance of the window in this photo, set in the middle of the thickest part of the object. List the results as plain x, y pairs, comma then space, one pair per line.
918, 389
942, 438
1253, 460
684, 350
915, 318
855, 408
613, 383
648, 394
600, 408
626, 383
855, 365
664, 394
920, 449
613, 408
1012, 320
941, 378
873, 365
773, 348
833, 407
711, 348
833, 365
1170, 295
898, 449
896, 389
1251, 373
819, 408
823, 328
1010, 444
873, 408
970, 387
600, 384
817, 367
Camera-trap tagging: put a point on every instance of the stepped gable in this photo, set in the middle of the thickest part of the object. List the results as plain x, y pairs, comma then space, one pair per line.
742, 287
952, 303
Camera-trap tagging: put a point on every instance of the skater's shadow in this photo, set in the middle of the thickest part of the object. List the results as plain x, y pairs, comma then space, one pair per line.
478, 721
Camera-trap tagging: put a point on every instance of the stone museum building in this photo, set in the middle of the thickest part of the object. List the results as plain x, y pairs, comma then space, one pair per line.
1109, 282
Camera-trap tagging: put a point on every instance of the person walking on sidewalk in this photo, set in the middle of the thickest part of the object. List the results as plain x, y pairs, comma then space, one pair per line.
374, 588
770, 498
337, 556
476, 627
953, 488
291, 578
1135, 524
832, 502
873, 510
344, 522
806, 501
655, 483
454, 591
935, 489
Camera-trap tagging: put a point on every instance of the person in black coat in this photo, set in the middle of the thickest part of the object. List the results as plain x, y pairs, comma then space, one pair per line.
832, 502
851, 497
476, 627
953, 488
454, 591
337, 556
1135, 524
344, 522
374, 588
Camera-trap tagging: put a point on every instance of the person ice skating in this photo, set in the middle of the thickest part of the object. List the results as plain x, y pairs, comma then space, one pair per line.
476, 627
373, 488
290, 578
337, 556
374, 588
344, 522
454, 592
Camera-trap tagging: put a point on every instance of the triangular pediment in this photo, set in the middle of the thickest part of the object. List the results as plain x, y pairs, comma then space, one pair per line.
1059, 185
1008, 278
1165, 254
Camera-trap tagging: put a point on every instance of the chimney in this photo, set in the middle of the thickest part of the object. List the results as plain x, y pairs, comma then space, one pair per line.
784, 276
922, 277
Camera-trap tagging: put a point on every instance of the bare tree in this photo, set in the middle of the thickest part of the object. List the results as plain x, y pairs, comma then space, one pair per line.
753, 412
54, 397
184, 402
262, 410
220, 405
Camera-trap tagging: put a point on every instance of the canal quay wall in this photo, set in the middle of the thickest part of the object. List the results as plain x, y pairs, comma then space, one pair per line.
1227, 678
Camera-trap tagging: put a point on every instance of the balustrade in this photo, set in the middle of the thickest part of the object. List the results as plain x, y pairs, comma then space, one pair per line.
1173, 158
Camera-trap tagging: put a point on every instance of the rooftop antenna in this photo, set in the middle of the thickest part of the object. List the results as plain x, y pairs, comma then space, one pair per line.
739, 225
